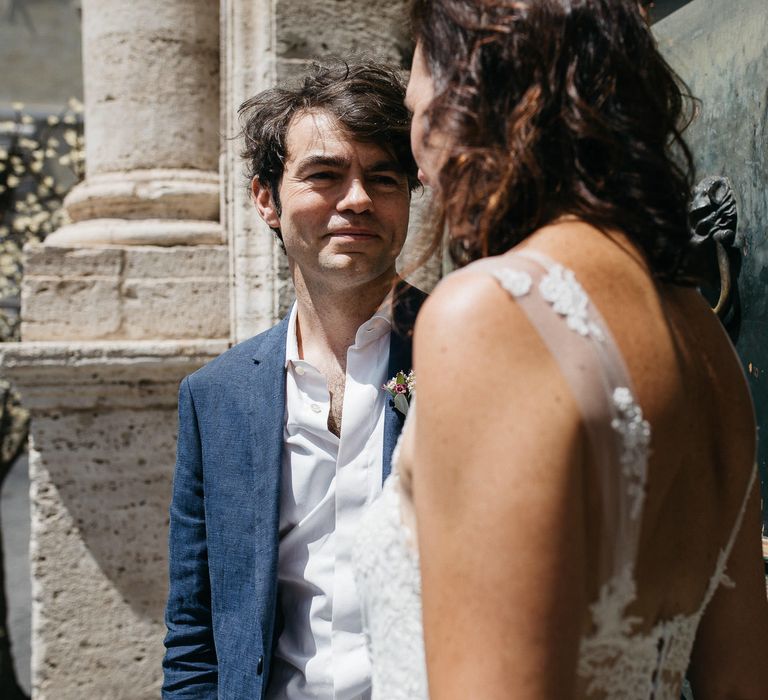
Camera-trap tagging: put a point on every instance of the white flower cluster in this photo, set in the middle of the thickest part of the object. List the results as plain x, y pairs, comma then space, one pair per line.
402, 379
40, 162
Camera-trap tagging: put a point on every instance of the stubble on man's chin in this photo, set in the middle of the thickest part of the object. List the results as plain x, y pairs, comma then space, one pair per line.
343, 278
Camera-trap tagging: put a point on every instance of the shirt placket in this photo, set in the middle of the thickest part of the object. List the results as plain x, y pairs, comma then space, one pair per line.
353, 472
316, 404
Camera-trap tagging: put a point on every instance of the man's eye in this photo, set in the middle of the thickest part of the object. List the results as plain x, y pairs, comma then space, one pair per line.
385, 180
321, 175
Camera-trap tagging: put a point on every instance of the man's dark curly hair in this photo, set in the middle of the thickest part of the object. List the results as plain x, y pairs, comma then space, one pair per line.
551, 108
365, 97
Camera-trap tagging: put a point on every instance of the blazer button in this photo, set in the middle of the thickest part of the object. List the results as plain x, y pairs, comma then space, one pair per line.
260, 666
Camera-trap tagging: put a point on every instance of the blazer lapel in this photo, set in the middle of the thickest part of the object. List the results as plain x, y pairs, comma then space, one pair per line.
266, 385
407, 302
268, 400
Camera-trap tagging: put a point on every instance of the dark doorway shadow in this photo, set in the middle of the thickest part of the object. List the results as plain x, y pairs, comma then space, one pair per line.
662, 8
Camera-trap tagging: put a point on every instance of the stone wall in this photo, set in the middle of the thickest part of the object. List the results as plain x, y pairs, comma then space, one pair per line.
723, 58
116, 308
126, 292
101, 458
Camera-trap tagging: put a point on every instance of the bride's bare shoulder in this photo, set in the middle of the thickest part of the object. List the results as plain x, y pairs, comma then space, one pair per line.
469, 310
470, 337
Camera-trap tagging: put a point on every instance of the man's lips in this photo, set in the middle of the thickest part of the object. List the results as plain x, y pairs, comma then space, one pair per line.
353, 234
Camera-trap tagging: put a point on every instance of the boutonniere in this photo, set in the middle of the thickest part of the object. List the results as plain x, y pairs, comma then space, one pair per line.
401, 387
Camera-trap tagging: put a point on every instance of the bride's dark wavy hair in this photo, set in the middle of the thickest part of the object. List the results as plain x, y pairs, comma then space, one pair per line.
551, 108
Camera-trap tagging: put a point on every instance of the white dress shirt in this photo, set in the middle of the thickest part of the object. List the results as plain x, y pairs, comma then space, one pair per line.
326, 484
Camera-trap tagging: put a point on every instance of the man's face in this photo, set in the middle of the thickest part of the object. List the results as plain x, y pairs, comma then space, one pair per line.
345, 204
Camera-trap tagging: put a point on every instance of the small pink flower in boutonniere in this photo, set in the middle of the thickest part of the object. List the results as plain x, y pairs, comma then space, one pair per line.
401, 387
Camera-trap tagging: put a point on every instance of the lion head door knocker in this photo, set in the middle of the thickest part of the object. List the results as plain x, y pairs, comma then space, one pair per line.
713, 218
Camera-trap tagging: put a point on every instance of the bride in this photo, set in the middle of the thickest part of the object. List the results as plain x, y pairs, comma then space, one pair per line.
575, 510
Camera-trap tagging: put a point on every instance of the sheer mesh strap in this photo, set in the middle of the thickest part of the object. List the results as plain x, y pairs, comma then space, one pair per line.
720, 577
581, 344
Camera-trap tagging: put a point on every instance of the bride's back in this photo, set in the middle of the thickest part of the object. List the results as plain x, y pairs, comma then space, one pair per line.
505, 560
693, 393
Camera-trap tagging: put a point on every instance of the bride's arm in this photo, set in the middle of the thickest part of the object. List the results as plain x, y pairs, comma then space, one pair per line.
498, 497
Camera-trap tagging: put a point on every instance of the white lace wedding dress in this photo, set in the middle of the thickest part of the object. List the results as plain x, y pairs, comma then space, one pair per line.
618, 658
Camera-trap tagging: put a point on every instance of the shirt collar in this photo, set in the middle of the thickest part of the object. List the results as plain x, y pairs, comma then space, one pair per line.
374, 328
291, 342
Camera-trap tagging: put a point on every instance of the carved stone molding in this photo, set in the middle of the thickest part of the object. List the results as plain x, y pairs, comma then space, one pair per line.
151, 194
104, 374
140, 232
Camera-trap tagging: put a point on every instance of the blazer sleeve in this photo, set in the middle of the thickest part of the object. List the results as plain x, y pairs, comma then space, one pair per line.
190, 665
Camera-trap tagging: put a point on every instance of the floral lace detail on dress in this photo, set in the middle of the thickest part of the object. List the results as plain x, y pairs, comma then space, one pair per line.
389, 584
516, 282
636, 438
620, 662
608, 610
567, 297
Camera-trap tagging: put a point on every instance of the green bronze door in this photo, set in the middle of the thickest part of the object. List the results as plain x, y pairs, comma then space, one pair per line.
721, 51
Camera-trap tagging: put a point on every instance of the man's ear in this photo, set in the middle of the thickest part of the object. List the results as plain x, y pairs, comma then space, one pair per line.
261, 193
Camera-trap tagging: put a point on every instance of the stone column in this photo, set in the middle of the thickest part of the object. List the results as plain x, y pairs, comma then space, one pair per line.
116, 308
151, 192
248, 66
151, 75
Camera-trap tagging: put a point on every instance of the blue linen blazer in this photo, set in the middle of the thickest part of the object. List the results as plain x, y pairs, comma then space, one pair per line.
224, 515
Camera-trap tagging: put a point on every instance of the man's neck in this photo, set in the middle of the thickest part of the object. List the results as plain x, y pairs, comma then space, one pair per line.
328, 319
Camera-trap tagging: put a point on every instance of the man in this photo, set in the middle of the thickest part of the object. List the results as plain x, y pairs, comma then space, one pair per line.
285, 438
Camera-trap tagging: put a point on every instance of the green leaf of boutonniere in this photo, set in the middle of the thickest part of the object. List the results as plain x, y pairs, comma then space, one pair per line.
401, 404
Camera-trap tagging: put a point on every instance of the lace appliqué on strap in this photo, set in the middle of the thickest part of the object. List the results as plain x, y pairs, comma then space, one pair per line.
567, 297
635, 438
516, 282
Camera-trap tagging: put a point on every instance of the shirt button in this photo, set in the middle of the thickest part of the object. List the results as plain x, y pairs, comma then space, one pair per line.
316, 408
300, 371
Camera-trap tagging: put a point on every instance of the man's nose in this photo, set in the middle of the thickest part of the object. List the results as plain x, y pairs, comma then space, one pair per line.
355, 198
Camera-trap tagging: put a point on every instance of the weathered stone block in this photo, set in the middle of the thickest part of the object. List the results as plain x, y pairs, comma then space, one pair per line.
70, 307
124, 292
101, 487
343, 28
101, 463
179, 261
176, 308
73, 262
